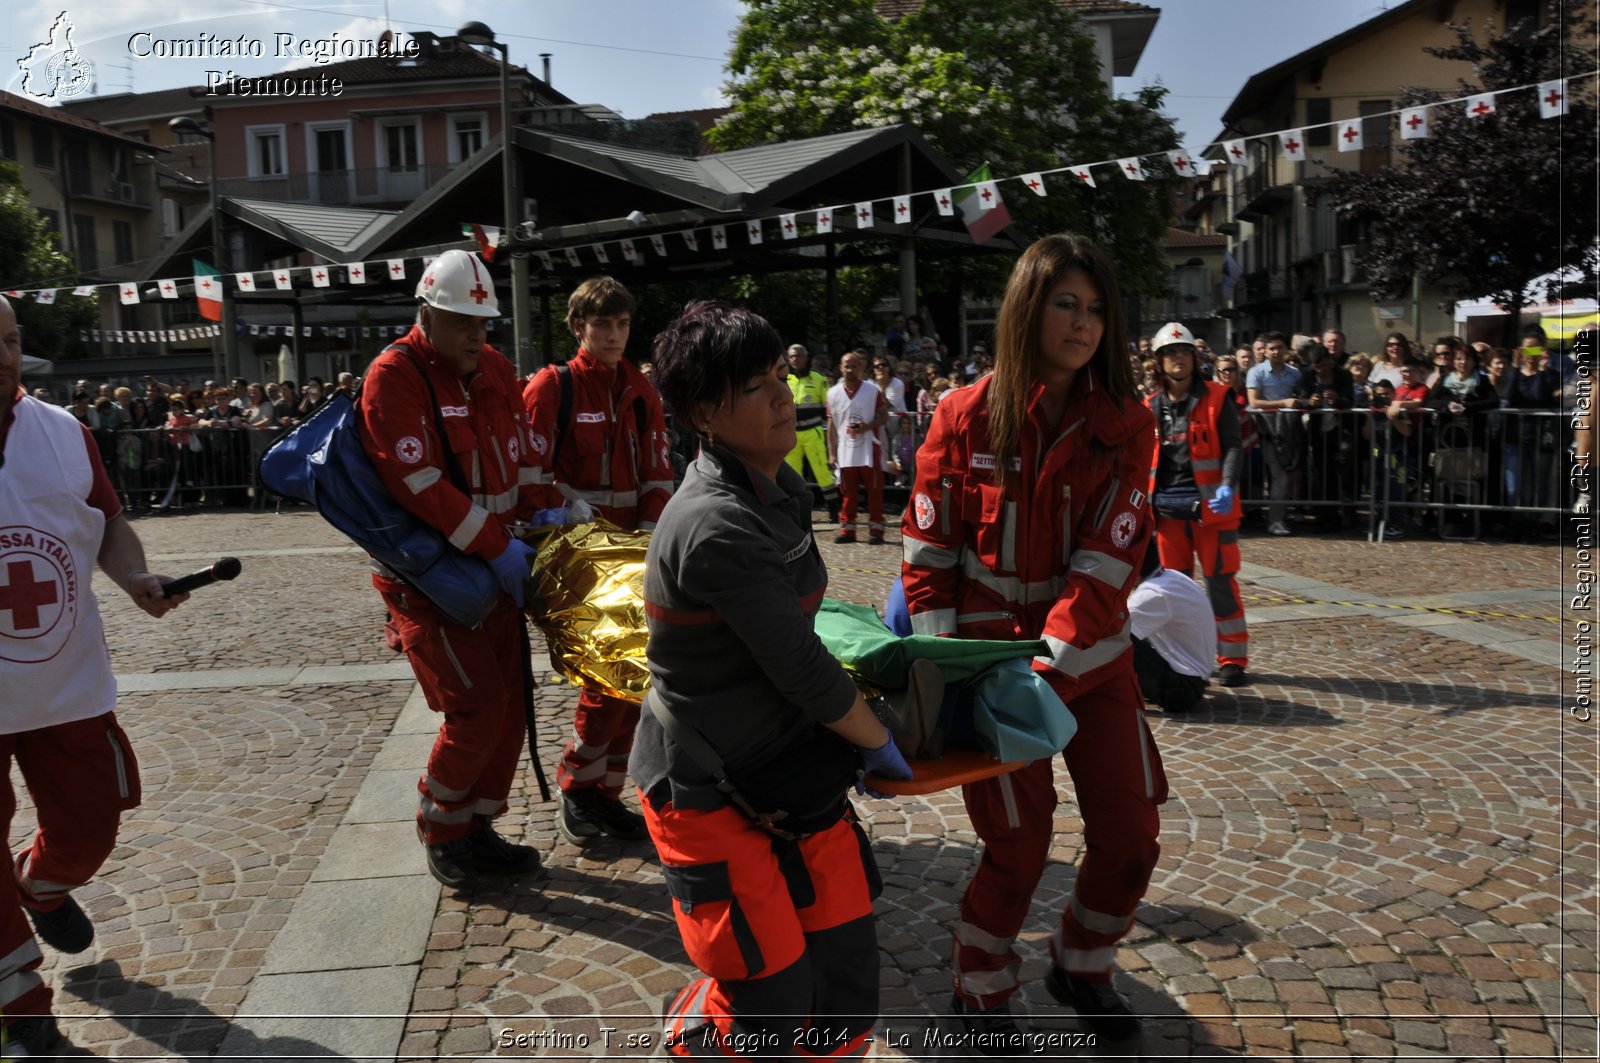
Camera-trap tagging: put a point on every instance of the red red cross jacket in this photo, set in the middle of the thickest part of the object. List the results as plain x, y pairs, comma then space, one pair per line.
486, 428
607, 456
1053, 554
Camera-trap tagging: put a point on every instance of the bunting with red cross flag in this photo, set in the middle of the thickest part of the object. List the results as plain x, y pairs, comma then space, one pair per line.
825, 220
660, 245
902, 209
1481, 105
982, 210
1084, 176
1233, 151
786, 223
1413, 123
356, 271
282, 280
719, 237
168, 289
319, 277
207, 290
942, 200
600, 255
1349, 136
1034, 182
1552, 99
752, 230
128, 294
1181, 162
397, 269
691, 239
245, 281
864, 217
45, 296
572, 257
1131, 169
1294, 145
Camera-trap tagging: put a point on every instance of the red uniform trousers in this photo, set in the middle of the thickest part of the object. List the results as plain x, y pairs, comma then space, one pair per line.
850, 483
82, 776
1218, 548
602, 738
783, 930
474, 676
1117, 775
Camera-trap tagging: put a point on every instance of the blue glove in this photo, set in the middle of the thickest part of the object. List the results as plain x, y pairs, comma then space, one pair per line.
885, 761
1222, 502
512, 568
544, 517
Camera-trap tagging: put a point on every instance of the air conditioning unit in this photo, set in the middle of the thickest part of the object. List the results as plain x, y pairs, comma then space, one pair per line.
122, 190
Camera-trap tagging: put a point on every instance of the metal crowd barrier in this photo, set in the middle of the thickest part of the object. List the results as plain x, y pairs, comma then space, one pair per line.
170, 469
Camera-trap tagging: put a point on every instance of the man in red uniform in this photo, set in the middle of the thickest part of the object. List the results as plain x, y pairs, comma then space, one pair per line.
599, 437
1192, 480
59, 517
473, 676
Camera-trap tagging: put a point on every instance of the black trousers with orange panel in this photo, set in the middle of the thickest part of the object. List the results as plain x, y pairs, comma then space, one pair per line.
783, 931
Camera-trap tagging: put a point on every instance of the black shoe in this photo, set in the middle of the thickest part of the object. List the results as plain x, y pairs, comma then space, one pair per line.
35, 1035
874, 540
588, 813
990, 1033
845, 537
65, 929
458, 863
493, 855
1097, 1003
1231, 675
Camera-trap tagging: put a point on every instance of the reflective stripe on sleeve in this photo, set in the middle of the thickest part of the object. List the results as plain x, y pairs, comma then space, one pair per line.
656, 485
983, 983
422, 479
1099, 922
979, 938
1235, 626
934, 622
929, 555
1010, 588
531, 474
1074, 661
1101, 566
469, 527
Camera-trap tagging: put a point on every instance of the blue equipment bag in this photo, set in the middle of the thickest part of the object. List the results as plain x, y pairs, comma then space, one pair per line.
321, 461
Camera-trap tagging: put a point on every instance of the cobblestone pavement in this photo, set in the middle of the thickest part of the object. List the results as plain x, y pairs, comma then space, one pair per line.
1384, 847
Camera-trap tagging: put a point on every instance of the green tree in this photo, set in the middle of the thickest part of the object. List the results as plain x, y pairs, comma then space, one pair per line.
1486, 205
1014, 83
32, 260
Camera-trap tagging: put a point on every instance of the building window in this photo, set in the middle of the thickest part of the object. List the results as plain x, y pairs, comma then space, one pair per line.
1376, 124
266, 151
1319, 112
44, 148
86, 249
122, 239
401, 151
467, 135
8, 140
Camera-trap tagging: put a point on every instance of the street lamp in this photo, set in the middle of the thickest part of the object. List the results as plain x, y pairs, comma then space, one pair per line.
229, 369
476, 33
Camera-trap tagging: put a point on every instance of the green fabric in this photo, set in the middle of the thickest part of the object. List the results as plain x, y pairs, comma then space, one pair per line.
856, 636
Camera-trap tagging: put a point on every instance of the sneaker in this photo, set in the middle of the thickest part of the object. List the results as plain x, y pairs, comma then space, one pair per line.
35, 1035
874, 540
64, 928
1231, 675
845, 537
990, 1033
588, 813
1097, 1003
1278, 527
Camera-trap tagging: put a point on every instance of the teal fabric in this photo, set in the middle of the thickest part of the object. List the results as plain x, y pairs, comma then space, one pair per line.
1016, 714
856, 636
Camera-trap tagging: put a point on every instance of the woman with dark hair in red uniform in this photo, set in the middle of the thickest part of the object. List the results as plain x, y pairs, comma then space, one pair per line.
1028, 521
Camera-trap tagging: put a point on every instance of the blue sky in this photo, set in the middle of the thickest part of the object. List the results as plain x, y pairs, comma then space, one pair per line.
642, 56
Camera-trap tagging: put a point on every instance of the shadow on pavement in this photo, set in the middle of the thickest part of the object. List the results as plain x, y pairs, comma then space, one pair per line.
182, 1027
602, 905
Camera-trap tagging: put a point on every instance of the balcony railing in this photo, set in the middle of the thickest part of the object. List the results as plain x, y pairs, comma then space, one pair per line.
106, 187
371, 187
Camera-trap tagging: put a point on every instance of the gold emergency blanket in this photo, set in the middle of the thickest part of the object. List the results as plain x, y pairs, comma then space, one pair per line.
588, 599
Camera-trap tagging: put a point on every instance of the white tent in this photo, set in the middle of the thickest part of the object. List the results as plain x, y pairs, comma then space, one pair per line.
32, 366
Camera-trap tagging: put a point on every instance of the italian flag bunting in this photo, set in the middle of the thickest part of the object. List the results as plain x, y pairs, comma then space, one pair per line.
207, 290
982, 210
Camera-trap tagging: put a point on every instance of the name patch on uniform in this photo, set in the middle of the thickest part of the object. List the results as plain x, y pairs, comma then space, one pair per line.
591, 418
799, 551
454, 411
923, 506
986, 461
409, 450
1123, 527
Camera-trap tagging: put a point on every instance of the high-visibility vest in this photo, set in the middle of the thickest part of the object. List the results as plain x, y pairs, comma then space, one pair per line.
810, 391
1205, 446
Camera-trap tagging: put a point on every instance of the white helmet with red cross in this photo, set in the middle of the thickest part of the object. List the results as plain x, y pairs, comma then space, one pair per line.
459, 281
1170, 334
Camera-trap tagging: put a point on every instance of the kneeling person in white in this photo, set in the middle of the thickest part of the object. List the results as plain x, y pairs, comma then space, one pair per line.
1174, 636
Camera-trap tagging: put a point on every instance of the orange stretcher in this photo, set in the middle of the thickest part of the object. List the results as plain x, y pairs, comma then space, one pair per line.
956, 768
